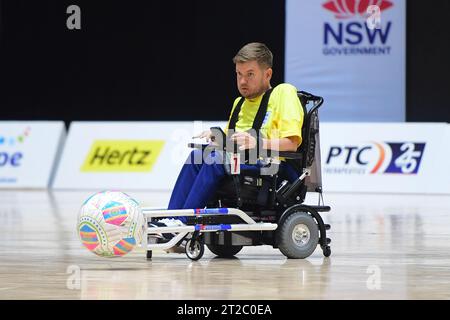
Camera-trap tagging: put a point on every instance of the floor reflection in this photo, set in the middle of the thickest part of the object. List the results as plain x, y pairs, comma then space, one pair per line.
174, 277
405, 238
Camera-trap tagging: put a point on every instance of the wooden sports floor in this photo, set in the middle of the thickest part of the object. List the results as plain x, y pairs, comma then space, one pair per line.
383, 247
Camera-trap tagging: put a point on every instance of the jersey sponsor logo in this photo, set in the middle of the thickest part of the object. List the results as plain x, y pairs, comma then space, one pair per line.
266, 117
402, 158
122, 155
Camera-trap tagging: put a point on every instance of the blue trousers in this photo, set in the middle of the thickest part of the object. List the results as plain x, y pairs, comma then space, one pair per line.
197, 183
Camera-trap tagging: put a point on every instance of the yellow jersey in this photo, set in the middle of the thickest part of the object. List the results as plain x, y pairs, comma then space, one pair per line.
284, 116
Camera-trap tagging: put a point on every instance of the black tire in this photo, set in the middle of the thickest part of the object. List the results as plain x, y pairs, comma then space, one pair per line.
298, 236
224, 251
197, 253
327, 251
149, 254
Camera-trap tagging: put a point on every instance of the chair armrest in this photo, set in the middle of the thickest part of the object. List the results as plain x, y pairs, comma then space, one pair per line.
284, 154
289, 154
198, 146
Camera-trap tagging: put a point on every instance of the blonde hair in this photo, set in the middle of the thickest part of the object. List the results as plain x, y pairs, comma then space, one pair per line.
255, 51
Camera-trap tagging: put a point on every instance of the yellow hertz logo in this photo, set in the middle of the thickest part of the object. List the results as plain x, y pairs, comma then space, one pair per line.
122, 156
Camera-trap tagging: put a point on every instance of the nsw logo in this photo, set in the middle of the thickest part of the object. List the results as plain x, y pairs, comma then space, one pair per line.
357, 28
375, 158
345, 9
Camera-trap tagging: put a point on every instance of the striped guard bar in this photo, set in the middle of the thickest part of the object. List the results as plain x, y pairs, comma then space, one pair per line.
218, 227
211, 211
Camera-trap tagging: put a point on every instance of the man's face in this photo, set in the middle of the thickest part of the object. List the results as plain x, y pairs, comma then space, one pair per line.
252, 79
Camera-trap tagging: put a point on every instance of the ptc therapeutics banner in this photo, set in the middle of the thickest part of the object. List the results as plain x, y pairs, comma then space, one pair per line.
28, 152
351, 52
125, 155
386, 157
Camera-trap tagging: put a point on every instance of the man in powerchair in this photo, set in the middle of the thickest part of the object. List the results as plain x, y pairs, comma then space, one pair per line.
279, 129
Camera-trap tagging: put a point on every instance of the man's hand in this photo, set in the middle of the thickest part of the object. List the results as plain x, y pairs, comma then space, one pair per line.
244, 140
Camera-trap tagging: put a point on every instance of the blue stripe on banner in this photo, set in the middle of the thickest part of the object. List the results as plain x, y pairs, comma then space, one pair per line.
199, 227
212, 211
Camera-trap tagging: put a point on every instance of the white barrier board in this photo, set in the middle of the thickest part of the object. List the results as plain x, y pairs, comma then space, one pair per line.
125, 155
28, 152
385, 157
356, 157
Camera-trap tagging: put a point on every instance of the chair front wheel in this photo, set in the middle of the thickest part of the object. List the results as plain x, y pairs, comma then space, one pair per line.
195, 250
327, 251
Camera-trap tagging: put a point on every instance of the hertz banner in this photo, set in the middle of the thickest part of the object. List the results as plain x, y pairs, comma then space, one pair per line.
125, 155
351, 52
122, 155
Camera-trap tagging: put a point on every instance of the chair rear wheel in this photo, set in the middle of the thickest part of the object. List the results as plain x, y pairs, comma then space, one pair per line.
298, 236
224, 251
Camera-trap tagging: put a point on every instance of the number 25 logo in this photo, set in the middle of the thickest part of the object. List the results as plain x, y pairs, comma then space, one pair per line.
407, 161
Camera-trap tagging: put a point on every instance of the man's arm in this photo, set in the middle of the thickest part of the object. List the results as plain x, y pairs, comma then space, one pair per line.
283, 144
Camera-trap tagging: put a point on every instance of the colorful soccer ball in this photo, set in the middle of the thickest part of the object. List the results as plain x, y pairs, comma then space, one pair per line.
110, 224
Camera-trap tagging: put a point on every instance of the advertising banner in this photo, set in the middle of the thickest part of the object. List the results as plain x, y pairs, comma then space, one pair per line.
126, 155
355, 157
28, 152
352, 53
385, 157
